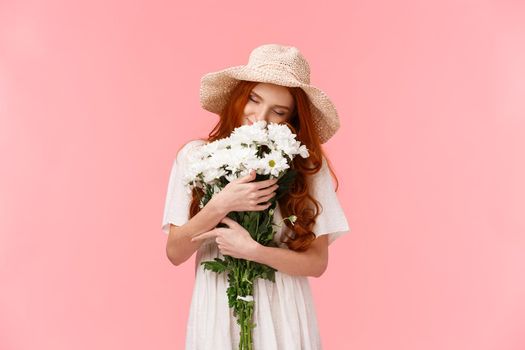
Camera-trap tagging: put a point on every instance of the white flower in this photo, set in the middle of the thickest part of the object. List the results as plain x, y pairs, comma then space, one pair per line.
213, 173
240, 157
303, 151
216, 188
274, 163
232, 157
250, 134
245, 298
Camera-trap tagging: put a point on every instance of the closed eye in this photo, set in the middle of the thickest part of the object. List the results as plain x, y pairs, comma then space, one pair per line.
281, 114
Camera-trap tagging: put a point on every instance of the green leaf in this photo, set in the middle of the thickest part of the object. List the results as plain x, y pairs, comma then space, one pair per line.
285, 182
218, 265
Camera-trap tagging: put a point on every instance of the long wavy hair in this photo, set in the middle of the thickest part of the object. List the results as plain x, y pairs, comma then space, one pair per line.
298, 201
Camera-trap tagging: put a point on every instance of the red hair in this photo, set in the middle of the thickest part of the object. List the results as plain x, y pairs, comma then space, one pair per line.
298, 201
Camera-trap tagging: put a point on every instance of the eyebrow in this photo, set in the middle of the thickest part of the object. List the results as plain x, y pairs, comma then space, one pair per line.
288, 108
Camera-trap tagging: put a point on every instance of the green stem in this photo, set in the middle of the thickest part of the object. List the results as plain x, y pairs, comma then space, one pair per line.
257, 227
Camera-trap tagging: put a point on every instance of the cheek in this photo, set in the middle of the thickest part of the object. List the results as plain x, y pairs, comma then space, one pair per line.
278, 119
273, 119
248, 108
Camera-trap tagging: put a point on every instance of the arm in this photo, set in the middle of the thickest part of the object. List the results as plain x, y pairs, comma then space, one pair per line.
312, 262
179, 247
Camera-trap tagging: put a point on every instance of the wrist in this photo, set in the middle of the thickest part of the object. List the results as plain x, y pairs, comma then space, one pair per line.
258, 252
219, 208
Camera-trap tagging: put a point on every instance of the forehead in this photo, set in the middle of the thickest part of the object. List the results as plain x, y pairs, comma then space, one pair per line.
274, 93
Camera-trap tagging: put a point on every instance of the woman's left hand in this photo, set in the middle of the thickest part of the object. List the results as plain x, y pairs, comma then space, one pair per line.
233, 240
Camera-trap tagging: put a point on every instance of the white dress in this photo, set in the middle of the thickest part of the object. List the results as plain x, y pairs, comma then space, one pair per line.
284, 311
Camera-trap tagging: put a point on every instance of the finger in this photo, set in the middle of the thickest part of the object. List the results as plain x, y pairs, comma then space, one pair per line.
204, 235
265, 198
249, 177
265, 183
260, 207
226, 220
268, 190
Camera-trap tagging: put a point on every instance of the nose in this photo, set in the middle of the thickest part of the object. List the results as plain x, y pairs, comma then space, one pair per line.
257, 114
260, 115
255, 118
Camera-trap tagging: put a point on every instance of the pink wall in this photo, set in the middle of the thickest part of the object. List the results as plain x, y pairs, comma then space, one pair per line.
96, 97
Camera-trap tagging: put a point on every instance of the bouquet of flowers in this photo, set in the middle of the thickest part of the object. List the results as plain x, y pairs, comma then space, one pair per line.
269, 150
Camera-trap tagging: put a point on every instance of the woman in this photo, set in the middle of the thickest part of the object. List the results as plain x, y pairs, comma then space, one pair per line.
274, 86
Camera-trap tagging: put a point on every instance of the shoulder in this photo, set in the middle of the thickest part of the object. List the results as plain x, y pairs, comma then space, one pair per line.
193, 143
187, 147
322, 179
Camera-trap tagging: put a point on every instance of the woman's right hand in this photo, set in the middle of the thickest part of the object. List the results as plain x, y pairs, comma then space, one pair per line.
244, 194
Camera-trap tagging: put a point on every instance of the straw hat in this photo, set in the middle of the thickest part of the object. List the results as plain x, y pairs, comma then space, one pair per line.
275, 64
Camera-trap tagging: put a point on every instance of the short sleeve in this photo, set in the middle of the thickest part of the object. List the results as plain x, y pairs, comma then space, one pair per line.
331, 219
178, 196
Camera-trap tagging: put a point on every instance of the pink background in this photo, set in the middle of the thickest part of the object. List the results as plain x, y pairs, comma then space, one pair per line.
96, 97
